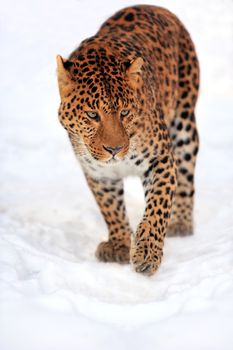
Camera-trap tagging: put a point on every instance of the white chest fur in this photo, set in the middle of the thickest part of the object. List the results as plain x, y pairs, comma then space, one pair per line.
114, 169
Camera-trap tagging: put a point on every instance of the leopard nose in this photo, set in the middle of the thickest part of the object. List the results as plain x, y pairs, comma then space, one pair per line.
113, 150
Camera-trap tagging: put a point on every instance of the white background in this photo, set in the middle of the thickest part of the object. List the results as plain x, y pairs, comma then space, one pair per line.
54, 295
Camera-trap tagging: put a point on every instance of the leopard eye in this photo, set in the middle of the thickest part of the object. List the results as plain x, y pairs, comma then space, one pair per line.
93, 115
124, 113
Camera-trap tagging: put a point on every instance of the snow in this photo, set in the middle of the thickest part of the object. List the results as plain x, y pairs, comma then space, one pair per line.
54, 295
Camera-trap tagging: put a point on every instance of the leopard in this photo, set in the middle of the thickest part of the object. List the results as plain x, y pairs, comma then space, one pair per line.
127, 102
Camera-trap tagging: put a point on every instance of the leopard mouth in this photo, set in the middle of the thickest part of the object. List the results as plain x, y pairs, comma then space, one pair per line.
113, 160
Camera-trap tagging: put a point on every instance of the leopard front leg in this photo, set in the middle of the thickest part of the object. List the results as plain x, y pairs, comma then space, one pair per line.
159, 182
109, 197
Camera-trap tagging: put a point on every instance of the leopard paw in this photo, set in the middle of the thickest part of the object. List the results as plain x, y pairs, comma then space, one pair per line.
109, 252
176, 229
144, 259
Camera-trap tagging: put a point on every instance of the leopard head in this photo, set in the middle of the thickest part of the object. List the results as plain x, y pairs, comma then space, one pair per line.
99, 103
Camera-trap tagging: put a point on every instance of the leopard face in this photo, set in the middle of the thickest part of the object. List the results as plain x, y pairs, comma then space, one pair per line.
99, 103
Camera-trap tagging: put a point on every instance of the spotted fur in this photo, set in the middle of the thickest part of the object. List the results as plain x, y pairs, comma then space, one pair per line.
127, 102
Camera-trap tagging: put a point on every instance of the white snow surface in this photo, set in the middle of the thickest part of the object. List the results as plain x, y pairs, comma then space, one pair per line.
54, 295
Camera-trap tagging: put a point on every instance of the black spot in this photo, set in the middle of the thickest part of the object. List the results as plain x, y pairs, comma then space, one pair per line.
179, 126
188, 127
73, 98
164, 160
148, 170
159, 170
85, 70
183, 194
89, 81
189, 69
168, 190
90, 51
68, 64
81, 58
129, 17
190, 178
139, 161
172, 179
161, 184
187, 156
180, 143
184, 95
195, 151
194, 135
158, 192
183, 171
184, 115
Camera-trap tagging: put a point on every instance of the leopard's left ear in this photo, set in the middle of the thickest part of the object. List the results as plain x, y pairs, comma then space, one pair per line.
133, 72
64, 77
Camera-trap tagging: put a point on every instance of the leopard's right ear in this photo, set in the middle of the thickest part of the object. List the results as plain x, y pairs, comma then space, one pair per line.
134, 71
64, 77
